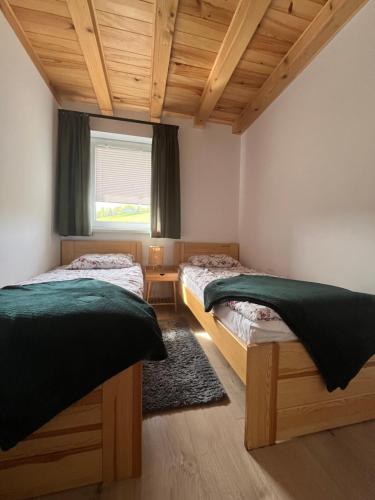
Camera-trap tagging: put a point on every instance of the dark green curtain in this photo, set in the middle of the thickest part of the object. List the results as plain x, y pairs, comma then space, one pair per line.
73, 174
165, 183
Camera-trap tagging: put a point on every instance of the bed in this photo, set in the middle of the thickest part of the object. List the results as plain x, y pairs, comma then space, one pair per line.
97, 439
285, 394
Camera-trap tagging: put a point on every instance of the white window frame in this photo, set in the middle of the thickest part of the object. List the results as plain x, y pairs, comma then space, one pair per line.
116, 140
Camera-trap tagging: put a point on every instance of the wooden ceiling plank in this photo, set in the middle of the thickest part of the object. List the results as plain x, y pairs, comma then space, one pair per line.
130, 93
326, 24
306, 9
56, 7
22, 37
217, 14
184, 82
124, 23
165, 18
127, 58
226, 103
183, 92
261, 57
130, 104
263, 69
248, 78
77, 90
181, 54
84, 20
240, 91
246, 19
119, 67
136, 82
282, 26
196, 41
76, 94
68, 76
135, 9
59, 58
237, 97
200, 27
45, 23
208, 10
186, 114
113, 38
196, 73
40, 41
269, 44
224, 116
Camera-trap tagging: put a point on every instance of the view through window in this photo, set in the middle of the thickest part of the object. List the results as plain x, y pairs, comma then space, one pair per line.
122, 178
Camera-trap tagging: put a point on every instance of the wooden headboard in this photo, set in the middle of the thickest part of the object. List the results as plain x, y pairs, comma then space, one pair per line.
71, 249
183, 250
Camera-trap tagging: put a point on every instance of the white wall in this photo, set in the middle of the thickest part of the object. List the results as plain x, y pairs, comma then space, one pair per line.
307, 195
209, 168
27, 161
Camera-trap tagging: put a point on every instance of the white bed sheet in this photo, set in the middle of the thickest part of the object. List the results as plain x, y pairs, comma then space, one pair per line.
249, 332
129, 278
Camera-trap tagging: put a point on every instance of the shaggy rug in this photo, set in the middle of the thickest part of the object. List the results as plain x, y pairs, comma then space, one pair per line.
185, 378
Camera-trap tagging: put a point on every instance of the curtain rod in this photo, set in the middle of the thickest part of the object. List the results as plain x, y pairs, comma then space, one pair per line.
119, 118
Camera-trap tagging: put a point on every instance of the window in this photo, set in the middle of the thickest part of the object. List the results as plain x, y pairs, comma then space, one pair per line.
121, 182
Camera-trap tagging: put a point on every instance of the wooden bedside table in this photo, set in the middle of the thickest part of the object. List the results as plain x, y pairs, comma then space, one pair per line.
168, 274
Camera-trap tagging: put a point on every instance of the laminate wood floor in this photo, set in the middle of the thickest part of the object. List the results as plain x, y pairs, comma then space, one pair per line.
198, 454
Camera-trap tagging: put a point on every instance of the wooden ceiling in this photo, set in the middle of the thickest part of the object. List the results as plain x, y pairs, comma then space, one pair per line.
214, 60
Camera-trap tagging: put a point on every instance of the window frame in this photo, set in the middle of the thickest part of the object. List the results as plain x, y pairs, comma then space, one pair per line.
117, 140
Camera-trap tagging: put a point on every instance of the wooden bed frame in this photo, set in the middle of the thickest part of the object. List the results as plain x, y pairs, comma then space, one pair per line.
97, 439
285, 394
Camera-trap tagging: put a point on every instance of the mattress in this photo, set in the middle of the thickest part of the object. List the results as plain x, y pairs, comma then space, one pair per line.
129, 278
251, 323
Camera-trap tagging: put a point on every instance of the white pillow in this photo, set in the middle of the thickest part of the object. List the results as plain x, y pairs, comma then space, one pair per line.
102, 261
213, 260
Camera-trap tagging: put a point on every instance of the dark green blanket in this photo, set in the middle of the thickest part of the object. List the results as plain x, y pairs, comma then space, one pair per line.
60, 340
336, 326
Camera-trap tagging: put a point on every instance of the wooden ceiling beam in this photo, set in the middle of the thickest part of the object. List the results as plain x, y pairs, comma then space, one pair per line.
242, 28
325, 25
86, 26
22, 37
165, 18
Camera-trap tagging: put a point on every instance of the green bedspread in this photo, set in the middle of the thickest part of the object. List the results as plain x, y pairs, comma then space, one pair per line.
60, 340
336, 326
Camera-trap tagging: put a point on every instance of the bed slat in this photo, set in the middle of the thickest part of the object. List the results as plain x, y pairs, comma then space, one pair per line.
74, 417
51, 473
323, 415
47, 445
299, 391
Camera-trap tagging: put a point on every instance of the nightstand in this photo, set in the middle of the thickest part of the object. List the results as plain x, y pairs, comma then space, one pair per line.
168, 274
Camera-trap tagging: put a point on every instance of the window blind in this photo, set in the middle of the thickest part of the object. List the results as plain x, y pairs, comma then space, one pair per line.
123, 174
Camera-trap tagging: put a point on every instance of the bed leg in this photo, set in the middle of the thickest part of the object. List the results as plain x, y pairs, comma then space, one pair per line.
261, 394
122, 425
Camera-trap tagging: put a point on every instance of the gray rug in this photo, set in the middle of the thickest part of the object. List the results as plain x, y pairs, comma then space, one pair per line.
185, 378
